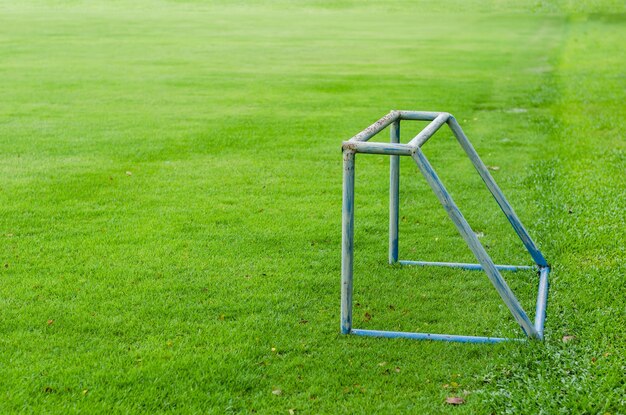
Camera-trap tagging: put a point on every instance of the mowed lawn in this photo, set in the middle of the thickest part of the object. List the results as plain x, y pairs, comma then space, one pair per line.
170, 206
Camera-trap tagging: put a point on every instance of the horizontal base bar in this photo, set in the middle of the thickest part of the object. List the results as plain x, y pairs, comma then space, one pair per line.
471, 267
429, 336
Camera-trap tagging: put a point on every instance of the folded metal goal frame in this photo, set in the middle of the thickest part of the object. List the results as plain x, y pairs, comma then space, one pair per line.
359, 144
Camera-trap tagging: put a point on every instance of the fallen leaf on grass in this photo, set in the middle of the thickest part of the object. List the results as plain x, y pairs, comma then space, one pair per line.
277, 392
455, 400
382, 363
568, 338
494, 168
50, 322
368, 316
292, 411
129, 173
397, 369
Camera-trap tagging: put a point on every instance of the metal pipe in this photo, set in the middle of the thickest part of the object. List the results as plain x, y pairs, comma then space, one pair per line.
470, 267
347, 241
377, 127
542, 300
429, 336
497, 193
419, 115
474, 244
378, 148
430, 129
394, 194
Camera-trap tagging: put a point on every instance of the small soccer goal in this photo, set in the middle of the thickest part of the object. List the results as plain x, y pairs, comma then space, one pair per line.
360, 144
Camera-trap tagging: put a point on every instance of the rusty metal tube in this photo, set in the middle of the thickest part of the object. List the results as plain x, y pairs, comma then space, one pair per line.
377, 127
390, 149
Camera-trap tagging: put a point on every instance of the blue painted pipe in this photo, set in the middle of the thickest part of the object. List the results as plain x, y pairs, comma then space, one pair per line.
430, 129
378, 148
470, 267
419, 115
497, 193
377, 127
429, 336
542, 300
394, 194
347, 241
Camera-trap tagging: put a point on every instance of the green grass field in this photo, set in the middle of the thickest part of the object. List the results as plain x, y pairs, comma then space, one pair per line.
170, 205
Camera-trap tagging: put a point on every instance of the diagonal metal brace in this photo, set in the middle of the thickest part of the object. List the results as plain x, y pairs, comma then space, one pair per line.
474, 244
